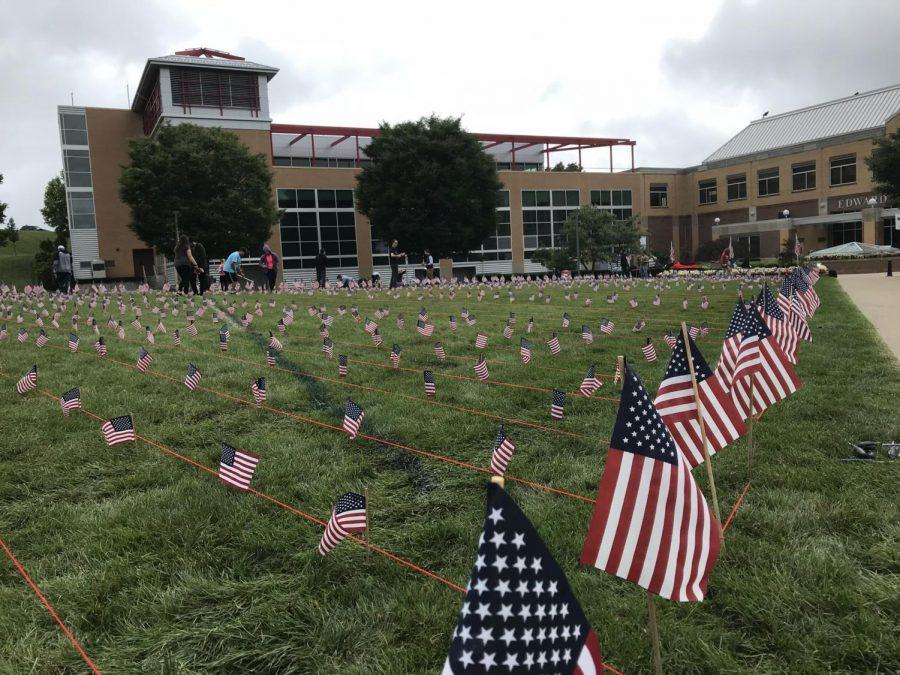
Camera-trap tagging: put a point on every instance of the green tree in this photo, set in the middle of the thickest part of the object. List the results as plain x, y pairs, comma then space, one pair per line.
205, 178
555, 259
593, 235
430, 185
11, 234
55, 216
2, 205
885, 166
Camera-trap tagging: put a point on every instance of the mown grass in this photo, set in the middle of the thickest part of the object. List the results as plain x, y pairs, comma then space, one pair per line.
157, 567
17, 263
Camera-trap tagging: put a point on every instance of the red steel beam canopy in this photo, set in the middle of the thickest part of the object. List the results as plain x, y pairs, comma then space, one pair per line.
550, 143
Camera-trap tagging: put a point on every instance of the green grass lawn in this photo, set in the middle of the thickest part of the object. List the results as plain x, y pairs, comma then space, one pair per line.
17, 264
158, 567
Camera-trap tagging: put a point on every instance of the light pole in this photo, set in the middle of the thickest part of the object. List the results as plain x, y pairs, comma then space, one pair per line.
787, 214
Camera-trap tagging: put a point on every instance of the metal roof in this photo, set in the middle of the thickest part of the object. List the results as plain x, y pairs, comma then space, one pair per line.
854, 249
853, 114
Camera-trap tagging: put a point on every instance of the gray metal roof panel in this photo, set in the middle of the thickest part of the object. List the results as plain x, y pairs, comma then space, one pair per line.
869, 110
230, 64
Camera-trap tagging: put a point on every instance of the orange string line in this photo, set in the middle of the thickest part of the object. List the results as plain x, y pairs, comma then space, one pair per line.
736, 506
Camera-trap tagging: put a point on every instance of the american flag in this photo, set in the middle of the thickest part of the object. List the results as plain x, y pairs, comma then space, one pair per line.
566, 320
797, 317
28, 381
512, 318
192, 377
452, 322
312, 311
507, 331
471, 320
370, 326
557, 404
503, 451
481, 341
327, 319
280, 325
684, 304
553, 343
649, 351
704, 329
275, 343
377, 339
525, 350
481, 369
587, 334
348, 516
176, 338
400, 322
270, 357
807, 294
607, 327
677, 406
148, 335
731, 345
704, 302
423, 314
120, 331
439, 351
342, 365
160, 327
136, 323
519, 613
42, 339
223, 339
428, 376
632, 303
638, 326
693, 331
328, 347
775, 319
395, 355
111, 322
762, 367
590, 383
73, 342
192, 329
100, 346
530, 326
71, 400
323, 331
144, 360
236, 467
258, 389
651, 524
3, 332
656, 300
353, 418
23, 335
425, 329
118, 430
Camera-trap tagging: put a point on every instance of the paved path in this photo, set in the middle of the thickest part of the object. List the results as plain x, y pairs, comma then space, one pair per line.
878, 298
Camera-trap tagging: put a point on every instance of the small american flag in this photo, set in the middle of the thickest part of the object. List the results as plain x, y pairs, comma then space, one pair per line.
377, 339
192, 378
270, 357
353, 418
144, 360
223, 339
236, 468
258, 388
328, 347
348, 516
327, 319
507, 331
148, 335
423, 314
649, 351
512, 318
42, 339
525, 350
632, 303
323, 330
553, 343
481, 369
370, 326
136, 323
192, 329
566, 319
439, 351
428, 376
557, 404
342, 365
23, 335
670, 339
503, 451
425, 329
638, 326
28, 381
71, 400
587, 334
176, 338
471, 320
118, 430
100, 346
704, 329
160, 327
3, 332
400, 322
395, 356
120, 331
275, 343
656, 300
694, 332
481, 341
73, 342
607, 327
280, 325
452, 322
590, 383
684, 304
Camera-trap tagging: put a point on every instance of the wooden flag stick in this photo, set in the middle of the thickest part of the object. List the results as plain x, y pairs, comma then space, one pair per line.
706, 458
750, 425
498, 480
654, 634
368, 521
620, 366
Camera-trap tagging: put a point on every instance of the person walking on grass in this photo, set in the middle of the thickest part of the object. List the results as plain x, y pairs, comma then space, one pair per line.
268, 261
232, 267
62, 268
429, 264
321, 267
185, 265
199, 251
395, 255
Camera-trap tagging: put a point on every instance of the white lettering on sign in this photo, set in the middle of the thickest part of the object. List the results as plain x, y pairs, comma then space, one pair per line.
860, 202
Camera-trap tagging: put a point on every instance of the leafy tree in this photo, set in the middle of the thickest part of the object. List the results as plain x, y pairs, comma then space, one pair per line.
430, 185
2, 205
11, 234
593, 235
885, 166
56, 216
571, 166
556, 259
205, 178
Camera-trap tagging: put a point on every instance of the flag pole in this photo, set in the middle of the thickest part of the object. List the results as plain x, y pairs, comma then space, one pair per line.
654, 634
620, 366
701, 421
499, 480
368, 522
750, 425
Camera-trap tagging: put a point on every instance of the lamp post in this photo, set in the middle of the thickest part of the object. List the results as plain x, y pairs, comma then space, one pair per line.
787, 214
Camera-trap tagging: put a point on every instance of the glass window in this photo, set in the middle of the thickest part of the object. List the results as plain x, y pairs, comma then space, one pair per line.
528, 198
281, 161
845, 233
318, 218
542, 197
73, 127
287, 199
737, 187
572, 198
78, 168
707, 191
659, 195
843, 170
891, 235
326, 199
502, 199
344, 199
306, 199
768, 182
803, 176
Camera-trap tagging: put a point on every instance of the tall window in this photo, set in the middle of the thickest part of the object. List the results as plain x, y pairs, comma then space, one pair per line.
803, 176
81, 210
617, 202
314, 219
768, 182
543, 214
659, 195
891, 235
843, 170
844, 233
214, 88
73, 127
78, 168
707, 191
498, 245
737, 187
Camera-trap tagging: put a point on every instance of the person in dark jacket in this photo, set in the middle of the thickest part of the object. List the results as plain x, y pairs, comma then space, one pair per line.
268, 261
199, 251
185, 265
321, 266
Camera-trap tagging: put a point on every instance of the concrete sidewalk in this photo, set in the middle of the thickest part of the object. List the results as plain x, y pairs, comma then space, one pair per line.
878, 298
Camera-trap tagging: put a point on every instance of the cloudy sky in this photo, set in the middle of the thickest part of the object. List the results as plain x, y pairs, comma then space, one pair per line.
680, 78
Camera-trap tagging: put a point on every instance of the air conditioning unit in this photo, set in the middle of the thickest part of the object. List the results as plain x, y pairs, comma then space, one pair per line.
98, 269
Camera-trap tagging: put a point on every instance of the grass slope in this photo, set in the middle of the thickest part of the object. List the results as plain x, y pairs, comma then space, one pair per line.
156, 566
17, 265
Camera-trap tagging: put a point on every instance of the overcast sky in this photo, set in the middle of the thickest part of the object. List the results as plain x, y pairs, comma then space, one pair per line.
680, 78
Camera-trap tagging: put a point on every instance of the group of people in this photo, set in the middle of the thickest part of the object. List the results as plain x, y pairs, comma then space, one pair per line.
192, 266
635, 264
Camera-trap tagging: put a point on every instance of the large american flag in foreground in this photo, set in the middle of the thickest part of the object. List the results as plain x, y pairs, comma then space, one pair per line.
237, 467
651, 524
118, 430
349, 515
676, 405
519, 614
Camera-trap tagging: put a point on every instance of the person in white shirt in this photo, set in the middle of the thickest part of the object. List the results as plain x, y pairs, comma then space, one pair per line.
429, 264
